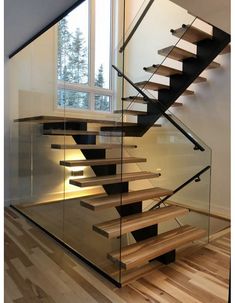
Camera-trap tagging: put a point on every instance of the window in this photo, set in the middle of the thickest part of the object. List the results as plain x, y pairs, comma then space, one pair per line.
84, 57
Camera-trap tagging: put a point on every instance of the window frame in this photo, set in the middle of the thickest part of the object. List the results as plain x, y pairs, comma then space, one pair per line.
90, 87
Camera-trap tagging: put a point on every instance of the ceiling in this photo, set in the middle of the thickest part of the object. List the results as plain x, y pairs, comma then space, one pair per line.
216, 12
25, 18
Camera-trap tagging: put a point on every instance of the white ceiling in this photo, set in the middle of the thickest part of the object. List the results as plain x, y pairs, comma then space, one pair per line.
216, 12
25, 18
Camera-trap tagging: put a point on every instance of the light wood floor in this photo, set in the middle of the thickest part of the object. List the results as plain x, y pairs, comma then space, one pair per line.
38, 270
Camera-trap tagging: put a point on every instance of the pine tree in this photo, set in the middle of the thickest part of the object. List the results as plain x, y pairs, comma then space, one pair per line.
64, 48
99, 81
78, 59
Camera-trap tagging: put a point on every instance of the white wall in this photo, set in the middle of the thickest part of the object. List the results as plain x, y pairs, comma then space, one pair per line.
208, 115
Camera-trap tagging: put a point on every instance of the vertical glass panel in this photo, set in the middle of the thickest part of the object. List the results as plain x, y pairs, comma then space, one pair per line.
102, 43
72, 99
103, 103
38, 181
72, 57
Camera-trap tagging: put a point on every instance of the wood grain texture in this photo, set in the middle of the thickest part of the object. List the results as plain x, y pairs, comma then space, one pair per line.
213, 65
130, 112
191, 34
139, 253
69, 279
107, 161
91, 146
157, 86
68, 132
176, 53
141, 100
111, 179
163, 70
151, 85
121, 226
99, 203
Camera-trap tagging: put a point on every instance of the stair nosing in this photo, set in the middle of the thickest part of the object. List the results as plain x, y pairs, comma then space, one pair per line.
140, 220
124, 198
91, 146
187, 229
112, 179
106, 161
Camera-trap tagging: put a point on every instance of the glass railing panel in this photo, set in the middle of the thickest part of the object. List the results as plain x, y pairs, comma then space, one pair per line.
38, 181
152, 34
87, 108
170, 153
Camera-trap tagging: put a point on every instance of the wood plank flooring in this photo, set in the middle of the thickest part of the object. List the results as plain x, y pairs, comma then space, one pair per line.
38, 270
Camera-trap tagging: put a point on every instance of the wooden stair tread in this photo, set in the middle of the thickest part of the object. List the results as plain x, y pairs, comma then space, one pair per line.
156, 86
129, 112
94, 162
190, 34
91, 146
168, 71
135, 99
176, 53
151, 85
97, 203
141, 252
200, 80
68, 132
120, 226
141, 100
162, 70
213, 65
112, 179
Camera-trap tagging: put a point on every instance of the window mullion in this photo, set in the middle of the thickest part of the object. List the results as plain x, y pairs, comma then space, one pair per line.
92, 42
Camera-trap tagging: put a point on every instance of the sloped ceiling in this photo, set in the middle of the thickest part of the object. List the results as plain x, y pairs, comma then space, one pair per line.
216, 12
25, 18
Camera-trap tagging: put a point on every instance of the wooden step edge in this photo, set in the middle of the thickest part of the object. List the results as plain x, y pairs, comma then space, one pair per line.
188, 92
151, 85
67, 132
213, 65
200, 80
97, 203
114, 228
95, 162
173, 240
92, 146
190, 34
130, 112
173, 51
177, 104
112, 179
162, 70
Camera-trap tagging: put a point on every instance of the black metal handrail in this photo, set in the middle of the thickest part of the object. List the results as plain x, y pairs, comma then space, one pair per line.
136, 26
195, 177
197, 146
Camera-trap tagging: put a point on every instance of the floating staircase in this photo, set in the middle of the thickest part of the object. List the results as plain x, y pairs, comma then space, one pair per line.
142, 225
208, 47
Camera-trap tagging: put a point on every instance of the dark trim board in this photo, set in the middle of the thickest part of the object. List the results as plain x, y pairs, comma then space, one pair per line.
42, 31
70, 249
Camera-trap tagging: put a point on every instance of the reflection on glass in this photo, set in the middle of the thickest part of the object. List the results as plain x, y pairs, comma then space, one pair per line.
103, 103
72, 99
102, 43
72, 53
